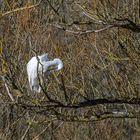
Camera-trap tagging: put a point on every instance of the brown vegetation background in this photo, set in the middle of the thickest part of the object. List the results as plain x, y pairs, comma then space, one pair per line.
96, 95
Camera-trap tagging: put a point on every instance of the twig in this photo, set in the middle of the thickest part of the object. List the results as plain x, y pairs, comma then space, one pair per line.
20, 9
7, 88
89, 15
56, 11
42, 131
29, 126
96, 117
58, 127
64, 89
82, 32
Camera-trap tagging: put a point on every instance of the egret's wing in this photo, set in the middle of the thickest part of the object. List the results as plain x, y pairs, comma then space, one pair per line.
35, 84
44, 57
32, 74
29, 71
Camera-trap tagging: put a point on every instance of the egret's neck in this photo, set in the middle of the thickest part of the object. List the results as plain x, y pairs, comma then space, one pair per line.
55, 64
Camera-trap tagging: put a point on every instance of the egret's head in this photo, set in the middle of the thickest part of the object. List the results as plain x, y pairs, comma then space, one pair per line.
53, 65
58, 64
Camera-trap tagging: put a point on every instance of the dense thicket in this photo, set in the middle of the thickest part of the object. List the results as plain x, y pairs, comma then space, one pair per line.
96, 95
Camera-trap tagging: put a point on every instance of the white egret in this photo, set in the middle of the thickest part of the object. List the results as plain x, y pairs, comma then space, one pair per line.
40, 66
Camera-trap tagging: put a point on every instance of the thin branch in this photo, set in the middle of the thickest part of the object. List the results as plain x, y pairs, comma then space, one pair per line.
89, 15
96, 117
58, 127
82, 32
36, 137
126, 24
20, 9
64, 89
7, 88
29, 126
56, 11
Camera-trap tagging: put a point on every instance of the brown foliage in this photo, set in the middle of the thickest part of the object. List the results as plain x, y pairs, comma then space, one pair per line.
98, 42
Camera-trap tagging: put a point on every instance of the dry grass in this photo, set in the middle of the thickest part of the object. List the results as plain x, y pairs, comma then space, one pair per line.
95, 66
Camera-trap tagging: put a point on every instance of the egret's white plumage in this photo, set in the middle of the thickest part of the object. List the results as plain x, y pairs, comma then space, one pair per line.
41, 64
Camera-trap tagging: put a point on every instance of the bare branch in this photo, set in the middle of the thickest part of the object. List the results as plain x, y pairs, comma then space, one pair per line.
29, 126
7, 88
82, 32
20, 9
36, 137
96, 117
127, 24
89, 15
56, 11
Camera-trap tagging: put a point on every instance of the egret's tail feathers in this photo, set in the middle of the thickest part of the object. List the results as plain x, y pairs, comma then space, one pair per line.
36, 88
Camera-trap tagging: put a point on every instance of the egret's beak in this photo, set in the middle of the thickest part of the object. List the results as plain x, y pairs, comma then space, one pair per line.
51, 68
